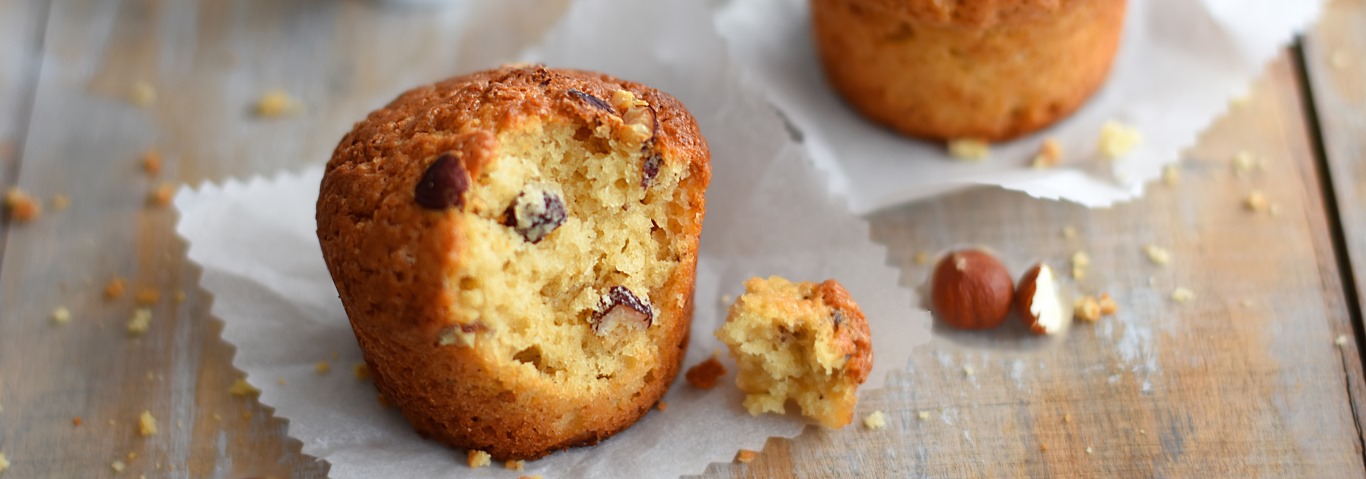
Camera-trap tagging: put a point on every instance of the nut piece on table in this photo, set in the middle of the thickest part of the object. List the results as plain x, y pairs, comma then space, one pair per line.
1039, 301
622, 309
971, 290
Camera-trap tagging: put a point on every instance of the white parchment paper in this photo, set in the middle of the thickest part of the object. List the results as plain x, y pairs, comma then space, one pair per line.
1180, 62
768, 213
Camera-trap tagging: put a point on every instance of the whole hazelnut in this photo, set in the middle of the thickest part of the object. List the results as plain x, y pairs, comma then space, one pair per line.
972, 290
1039, 301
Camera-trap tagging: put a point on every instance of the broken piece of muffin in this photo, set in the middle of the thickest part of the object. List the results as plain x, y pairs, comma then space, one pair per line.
802, 342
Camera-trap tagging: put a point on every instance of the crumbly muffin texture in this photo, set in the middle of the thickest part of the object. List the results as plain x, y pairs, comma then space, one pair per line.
804, 343
516, 250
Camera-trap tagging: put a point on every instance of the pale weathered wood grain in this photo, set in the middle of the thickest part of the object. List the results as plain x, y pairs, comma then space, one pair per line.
1244, 381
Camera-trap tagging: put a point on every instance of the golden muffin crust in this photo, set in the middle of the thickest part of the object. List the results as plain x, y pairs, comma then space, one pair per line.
980, 69
516, 250
802, 342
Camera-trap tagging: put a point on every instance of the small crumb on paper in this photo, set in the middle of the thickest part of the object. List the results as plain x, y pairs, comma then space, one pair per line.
151, 162
322, 367
147, 425
117, 465
923, 415
745, 456
514, 465
1117, 139
22, 207
875, 421
1157, 254
161, 195
478, 459
1066, 418
969, 149
705, 374
141, 321
1088, 450
61, 315
241, 387
1182, 295
361, 371
968, 371
114, 288
77, 421
147, 296
1087, 309
921, 258
662, 406
1049, 155
276, 103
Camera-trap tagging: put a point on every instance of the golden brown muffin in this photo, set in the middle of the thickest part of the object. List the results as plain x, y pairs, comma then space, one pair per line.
983, 69
516, 250
802, 342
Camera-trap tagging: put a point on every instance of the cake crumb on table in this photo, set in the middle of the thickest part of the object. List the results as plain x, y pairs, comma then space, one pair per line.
114, 288
77, 421
705, 374
1255, 202
514, 465
1107, 305
479, 459
662, 406
361, 371
151, 162
61, 315
1049, 155
1080, 260
22, 207
147, 425
117, 465
147, 297
1087, 309
141, 321
923, 415
276, 103
969, 149
875, 421
745, 456
921, 258
1182, 295
61, 202
1244, 163
1118, 139
1341, 340
161, 195
4, 462
241, 387
1157, 254
322, 367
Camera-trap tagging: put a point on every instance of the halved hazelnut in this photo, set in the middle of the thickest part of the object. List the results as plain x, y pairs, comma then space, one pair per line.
592, 100
620, 308
535, 213
444, 184
1039, 301
972, 290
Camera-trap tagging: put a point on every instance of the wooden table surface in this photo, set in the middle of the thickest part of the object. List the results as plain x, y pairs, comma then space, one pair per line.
1246, 380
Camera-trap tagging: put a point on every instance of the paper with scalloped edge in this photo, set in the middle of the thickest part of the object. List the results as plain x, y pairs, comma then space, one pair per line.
768, 213
1179, 64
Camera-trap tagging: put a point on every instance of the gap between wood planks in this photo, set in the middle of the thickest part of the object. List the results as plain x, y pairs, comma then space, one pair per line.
1334, 216
24, 114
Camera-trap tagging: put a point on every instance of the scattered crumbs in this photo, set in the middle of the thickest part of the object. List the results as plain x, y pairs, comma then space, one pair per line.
745, 456
147, 425
1341, 340
322, 367
923, 415
280, 380
1066, 418
1171, 175
1088, 449
967, 371
704, 375
922, 258
147, 296
1068, 232
875, 421
22, 207
142, 319
479, 459
179, 296
662, 406
969, 149
151, 162
4, 462
1117, 139
161, 195
1182, 295
61, 315
142, 94
514, 465
61, 202
77, 421
1255, 202
114, 288
1243, 163
1341, 59
1107, 305
1080, 260
1157, 254
1050, 153
1087, 309
117, 466
275, 104
241, 387
361, 371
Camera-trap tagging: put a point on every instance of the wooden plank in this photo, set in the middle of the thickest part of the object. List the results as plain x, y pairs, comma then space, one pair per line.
208, 61
1244, 381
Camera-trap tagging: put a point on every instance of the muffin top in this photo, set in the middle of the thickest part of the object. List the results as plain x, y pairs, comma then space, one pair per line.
965, 13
